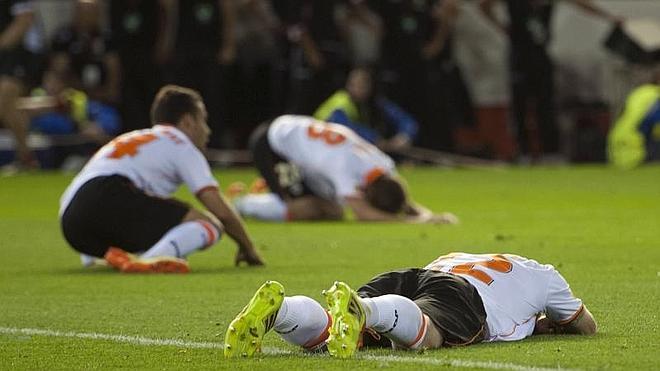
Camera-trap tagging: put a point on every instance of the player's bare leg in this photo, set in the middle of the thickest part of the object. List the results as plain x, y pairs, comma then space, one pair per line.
314, 208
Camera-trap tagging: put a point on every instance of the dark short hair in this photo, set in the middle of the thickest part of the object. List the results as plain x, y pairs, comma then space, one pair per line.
386, 193
172, 102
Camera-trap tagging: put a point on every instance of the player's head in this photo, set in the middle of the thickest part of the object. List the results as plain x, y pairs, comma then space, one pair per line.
183, 108
386, 193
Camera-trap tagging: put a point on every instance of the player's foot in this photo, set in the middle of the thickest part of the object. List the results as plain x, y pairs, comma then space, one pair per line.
129, 263
259, 186
235, 189
348, 319
246, 332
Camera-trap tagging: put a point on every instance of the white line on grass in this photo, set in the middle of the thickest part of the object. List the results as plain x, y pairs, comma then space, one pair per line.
459, 363
139, 340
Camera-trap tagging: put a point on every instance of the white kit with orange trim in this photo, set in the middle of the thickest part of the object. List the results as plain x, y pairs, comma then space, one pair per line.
514, 290
157, 160
329, 151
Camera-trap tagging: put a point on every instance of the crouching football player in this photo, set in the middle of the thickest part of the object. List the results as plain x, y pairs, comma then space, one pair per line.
119, 205
314, 168
458, 299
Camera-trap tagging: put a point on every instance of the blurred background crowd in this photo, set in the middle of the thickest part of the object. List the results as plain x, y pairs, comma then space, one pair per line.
510, 80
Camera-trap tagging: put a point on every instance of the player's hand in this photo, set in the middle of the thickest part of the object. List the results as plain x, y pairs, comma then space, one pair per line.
442, 218
430, 218
249, 257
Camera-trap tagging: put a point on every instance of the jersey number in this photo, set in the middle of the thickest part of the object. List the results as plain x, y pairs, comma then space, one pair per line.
498, 263
325, 133
128, 146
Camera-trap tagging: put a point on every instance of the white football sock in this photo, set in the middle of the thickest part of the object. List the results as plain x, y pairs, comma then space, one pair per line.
302, 321
397, 318
265, 206
185, 238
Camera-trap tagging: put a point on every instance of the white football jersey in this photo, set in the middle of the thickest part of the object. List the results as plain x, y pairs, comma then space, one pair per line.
331, 151
514, 290
157, 160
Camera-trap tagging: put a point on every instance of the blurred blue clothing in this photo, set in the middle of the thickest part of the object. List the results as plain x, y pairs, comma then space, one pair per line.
340, 109
56, 123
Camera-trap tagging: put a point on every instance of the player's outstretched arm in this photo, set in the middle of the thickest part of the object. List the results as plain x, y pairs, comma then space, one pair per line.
365, 212
234, 227
420, 214
583, 324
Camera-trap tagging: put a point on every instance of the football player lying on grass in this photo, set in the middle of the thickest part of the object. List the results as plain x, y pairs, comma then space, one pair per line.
313, 169
458, 299
119, 205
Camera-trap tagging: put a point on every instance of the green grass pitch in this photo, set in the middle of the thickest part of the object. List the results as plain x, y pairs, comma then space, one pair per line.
599, 226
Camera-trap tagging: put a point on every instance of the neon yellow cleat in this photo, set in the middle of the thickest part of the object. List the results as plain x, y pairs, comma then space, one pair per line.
246, 332
348, 318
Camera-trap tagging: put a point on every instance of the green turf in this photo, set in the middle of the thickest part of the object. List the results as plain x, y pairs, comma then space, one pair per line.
599, 226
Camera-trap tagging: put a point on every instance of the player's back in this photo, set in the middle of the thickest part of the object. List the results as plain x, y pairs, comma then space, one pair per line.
156, 160
330, 150
513, 288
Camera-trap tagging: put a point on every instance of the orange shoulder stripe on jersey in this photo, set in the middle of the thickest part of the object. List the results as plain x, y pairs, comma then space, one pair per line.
421, 333
573, 317
324, 335
373, 174
207, 188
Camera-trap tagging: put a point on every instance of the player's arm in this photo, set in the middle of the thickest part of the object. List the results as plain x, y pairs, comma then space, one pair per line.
583, 323
591, 8
234, 227
365, 212
420, 214
14, 33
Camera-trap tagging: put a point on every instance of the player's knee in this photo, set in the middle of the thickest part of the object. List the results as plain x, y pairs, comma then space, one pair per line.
194, 215
433, 338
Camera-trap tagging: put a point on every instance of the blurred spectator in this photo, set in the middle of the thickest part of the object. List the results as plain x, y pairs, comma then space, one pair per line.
21, 46
201, 44
371, 115
532, 70
419, 68
251, 82
315, 52
448, 101
137, 26
403, 65
57, 109
635, 136
89, 53
362, 30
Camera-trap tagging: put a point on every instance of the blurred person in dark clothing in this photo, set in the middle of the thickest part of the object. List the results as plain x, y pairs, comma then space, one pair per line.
362, 31
21, 62
314, 51
403, 66
89, 53
202, 43
449, 103
252, 82
531, 68
419, 69
138, 28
